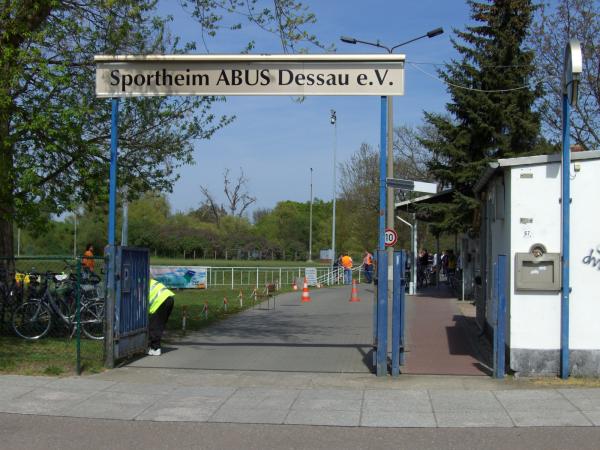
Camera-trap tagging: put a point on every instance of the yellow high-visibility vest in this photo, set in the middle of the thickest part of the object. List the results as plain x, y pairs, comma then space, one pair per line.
158, 294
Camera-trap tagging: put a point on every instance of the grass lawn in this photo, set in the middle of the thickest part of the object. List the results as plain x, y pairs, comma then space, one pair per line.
49, 356
57, 355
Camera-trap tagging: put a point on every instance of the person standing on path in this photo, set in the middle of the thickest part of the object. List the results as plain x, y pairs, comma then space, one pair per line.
347, 264
368, 266
87, 262
160, 305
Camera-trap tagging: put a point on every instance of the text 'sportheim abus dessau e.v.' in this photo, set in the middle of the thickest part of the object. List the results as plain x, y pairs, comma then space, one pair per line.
130, 76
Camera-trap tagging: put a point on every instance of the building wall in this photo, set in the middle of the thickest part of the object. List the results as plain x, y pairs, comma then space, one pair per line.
535, 217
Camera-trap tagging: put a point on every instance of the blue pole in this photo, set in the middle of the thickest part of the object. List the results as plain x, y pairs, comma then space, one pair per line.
382, 291
499, 332
396, 317
375, 316
382, 260
112, 214
402, 304
565, 240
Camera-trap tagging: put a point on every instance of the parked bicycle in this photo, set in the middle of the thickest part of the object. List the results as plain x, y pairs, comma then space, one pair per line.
52, 301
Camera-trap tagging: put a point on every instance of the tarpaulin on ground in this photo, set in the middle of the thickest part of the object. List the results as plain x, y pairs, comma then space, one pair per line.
182, 277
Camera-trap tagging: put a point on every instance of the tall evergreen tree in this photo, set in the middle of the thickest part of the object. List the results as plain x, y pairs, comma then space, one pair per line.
490, 114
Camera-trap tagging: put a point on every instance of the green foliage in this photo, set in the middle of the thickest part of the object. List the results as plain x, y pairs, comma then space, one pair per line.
54, 132
490, 115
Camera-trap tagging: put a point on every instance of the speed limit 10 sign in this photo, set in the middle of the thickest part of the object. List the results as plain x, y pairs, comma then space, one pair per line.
391, 237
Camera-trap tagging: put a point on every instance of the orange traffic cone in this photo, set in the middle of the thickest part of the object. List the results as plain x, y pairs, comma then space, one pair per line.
305, 294
294, 287
354, 295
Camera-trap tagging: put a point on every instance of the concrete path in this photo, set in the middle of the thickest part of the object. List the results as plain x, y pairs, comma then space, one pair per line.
329, 334
192, 397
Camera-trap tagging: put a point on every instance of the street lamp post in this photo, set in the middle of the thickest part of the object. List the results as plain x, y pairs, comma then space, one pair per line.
333, 121
390, 144
310, 218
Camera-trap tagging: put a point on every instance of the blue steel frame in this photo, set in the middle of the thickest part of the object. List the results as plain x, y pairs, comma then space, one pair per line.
565, 239
382, 316
398, 313
500, 326
382, 260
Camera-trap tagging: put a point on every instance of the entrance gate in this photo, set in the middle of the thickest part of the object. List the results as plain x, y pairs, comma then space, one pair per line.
296, 75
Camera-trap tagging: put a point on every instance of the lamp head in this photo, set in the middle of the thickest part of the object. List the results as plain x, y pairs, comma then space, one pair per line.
435, 32
348, 40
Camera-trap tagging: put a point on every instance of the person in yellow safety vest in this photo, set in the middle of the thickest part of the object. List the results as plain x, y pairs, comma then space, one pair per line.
347, 264
160, 305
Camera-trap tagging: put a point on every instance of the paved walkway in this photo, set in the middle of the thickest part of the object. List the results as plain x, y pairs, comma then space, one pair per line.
201, 396
329, 334
440, 339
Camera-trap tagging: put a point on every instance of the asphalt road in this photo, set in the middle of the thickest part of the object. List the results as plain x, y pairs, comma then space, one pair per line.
40, 432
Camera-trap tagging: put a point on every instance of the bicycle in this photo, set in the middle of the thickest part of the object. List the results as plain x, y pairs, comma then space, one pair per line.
11, 295
53, 298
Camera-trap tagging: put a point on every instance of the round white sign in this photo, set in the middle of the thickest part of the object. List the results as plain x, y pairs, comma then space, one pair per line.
391, 237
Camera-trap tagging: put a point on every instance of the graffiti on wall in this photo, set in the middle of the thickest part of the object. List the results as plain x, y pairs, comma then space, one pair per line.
592, 258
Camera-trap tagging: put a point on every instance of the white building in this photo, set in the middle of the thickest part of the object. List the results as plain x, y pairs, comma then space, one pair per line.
521, 218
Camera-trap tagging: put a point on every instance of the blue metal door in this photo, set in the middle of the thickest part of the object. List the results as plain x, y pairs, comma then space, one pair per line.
131, 301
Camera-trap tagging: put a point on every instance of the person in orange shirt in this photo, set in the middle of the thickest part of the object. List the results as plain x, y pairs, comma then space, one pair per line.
347, 264
87, 261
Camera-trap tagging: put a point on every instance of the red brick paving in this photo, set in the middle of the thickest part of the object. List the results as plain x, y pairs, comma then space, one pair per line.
437, 339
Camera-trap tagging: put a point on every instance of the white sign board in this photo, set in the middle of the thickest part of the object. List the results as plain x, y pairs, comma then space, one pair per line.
311, 275
132, 76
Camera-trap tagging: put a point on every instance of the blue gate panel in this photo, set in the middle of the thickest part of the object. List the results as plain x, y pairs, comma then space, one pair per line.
131, 304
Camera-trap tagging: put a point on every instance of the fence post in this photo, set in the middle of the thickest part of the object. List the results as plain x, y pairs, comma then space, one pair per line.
382, 313
232, 278
257, 278
499, 338
78, 315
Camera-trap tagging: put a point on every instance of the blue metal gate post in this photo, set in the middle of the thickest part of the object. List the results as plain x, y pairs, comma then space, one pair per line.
397, 311
382, 313
565, 239
109, 309
382, 260
375, 299
499, 330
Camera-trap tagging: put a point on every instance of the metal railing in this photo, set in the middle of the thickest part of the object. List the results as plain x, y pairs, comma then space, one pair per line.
234, 277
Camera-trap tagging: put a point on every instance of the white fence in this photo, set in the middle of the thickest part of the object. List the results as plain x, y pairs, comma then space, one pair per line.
280, 276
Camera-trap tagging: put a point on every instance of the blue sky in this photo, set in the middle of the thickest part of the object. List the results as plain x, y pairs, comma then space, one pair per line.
276, 140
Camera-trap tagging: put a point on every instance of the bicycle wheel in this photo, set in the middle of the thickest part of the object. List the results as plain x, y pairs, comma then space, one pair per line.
92, 320
32, 320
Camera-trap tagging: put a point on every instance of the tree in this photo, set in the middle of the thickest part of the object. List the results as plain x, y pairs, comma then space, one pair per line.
552, 30
490, 114
54, 133
238, 198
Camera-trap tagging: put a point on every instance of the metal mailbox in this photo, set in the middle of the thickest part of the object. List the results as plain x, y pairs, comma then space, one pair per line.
537, 273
